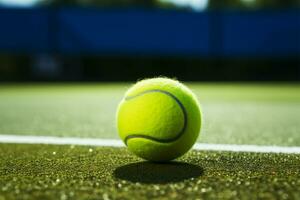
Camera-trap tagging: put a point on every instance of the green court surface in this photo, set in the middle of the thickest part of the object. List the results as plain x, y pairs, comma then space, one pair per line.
233, 114
68, 172
258, 114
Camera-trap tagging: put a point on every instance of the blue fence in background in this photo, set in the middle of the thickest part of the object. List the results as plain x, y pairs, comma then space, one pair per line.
150, 32
24, 30
143, 32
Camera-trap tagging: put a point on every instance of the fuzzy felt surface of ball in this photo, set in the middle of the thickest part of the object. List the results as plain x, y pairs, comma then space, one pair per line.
159, 119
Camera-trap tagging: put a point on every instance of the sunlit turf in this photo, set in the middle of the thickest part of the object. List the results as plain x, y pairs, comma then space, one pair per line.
73, 172
261, 114
265, 114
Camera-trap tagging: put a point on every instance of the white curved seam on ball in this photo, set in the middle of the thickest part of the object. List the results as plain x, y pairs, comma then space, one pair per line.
140, 135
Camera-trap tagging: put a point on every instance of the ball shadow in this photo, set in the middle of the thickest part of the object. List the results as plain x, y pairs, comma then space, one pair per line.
147, 172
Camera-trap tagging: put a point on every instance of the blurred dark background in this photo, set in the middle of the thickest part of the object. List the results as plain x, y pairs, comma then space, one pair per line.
126, 40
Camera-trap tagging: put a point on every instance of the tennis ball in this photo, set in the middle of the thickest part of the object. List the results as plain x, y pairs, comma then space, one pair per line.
159, 119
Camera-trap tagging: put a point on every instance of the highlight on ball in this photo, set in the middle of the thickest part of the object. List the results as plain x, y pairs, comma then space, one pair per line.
159, 119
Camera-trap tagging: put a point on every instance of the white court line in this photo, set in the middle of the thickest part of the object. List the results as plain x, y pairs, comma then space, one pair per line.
118, 143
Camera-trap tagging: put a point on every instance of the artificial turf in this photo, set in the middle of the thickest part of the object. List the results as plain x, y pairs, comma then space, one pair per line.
264, 114
74, 172
260, 114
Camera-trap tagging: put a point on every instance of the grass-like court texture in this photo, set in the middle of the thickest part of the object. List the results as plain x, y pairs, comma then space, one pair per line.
256, 114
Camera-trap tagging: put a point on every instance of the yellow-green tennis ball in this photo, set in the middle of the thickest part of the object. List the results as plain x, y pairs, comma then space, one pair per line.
159, 119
